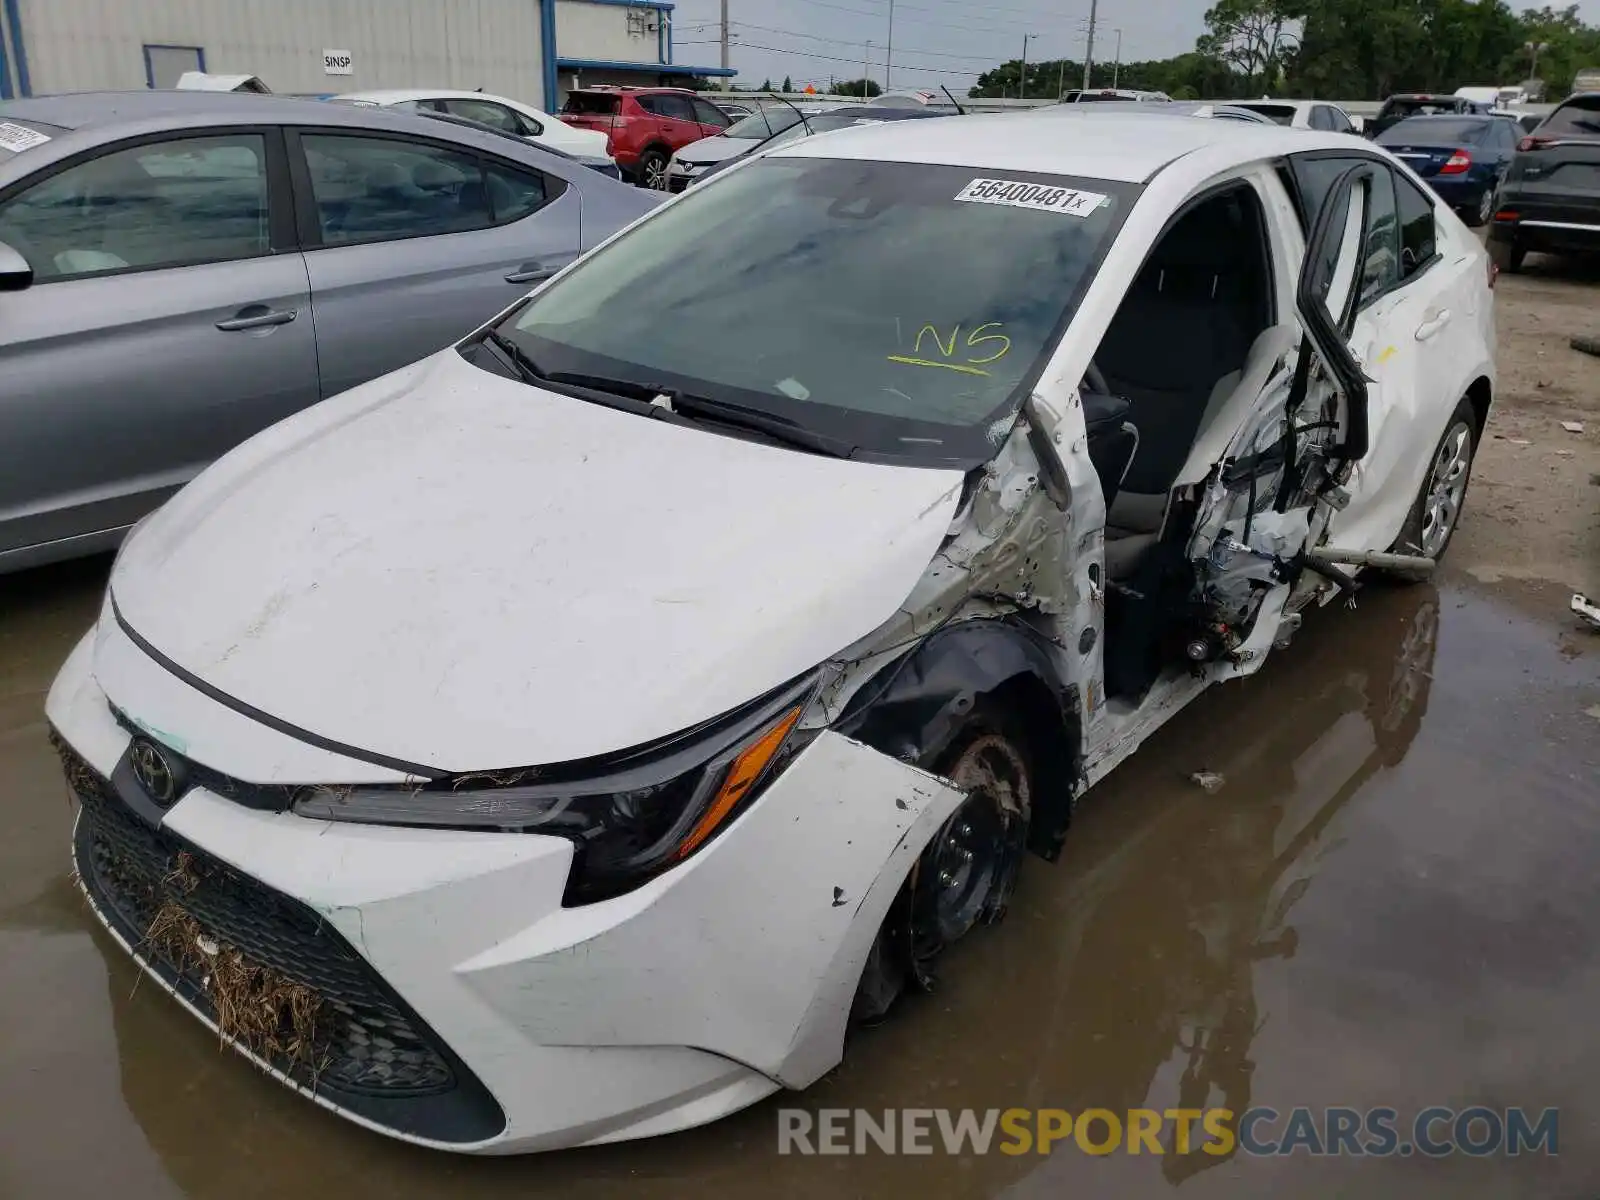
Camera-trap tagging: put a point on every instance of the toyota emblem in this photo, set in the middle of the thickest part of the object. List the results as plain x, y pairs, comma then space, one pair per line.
153, 771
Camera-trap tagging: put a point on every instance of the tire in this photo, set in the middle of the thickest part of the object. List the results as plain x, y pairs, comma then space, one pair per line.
1478, 215
1586, 345
1508, 256
1436, 512
965, 875
652, 170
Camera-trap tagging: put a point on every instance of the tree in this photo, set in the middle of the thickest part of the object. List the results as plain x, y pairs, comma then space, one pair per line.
788, 85
856, 87
1253, 37
766, 85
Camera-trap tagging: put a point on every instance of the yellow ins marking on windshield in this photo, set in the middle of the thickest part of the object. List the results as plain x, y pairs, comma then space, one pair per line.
947, 349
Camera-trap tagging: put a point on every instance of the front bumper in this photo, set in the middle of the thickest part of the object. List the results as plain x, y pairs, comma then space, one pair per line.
464, 1007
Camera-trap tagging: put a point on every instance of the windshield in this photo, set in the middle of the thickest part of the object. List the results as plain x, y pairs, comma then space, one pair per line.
761, 125
17, 136
1574, 117
819, 124
1396, 110
1434, 131
900, 308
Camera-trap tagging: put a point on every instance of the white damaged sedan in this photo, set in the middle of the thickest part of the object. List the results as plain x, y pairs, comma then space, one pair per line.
563, 739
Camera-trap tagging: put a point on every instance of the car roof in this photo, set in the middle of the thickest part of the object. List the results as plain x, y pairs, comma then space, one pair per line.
400, 95
83, 110
1122, 148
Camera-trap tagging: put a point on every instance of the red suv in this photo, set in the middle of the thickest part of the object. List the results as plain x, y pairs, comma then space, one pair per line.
644, 125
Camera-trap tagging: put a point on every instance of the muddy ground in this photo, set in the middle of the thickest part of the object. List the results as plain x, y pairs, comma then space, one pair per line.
1391, 900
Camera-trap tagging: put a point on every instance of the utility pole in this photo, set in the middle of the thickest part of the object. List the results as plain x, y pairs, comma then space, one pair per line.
866, 69
1061, 81
1088, 54
727, 80
1116, 67
888, 55
1022, 76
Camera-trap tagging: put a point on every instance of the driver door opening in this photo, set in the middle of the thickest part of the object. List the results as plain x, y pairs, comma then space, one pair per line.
1180, 370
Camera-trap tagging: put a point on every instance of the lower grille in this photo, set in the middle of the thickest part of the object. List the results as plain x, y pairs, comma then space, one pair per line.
331, 1024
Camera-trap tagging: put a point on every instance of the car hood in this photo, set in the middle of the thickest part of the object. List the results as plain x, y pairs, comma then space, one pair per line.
458, 570
715, 149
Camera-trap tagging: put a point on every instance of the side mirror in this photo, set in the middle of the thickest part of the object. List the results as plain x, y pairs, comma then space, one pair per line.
15, 273
1326, 293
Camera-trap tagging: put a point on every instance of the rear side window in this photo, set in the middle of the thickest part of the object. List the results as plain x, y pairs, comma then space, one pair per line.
1575, 117
1278, 114
1418, 244
380, 189
163, 204
1380, 263
590, 104
485, 113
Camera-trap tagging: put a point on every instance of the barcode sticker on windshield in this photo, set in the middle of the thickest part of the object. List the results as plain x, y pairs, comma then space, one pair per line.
1017, 194
17, 138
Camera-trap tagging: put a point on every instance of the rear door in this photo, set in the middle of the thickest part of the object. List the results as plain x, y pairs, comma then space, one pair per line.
1414, 303
169, 319
674, 118
413, 242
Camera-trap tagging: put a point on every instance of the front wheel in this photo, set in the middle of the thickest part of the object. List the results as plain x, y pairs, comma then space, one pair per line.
1437, 511
965, 875
652, 170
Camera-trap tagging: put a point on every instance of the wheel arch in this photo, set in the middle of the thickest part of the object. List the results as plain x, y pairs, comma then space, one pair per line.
917, 705
1480, 394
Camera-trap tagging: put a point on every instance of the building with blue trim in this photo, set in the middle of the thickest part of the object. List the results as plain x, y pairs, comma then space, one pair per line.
530, 50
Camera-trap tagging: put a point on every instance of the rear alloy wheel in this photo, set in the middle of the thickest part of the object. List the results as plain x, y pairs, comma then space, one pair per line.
1437, 511
653, 170
1485, 210
965, 875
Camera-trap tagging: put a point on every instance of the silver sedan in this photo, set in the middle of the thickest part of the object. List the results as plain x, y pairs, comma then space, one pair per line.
180, 270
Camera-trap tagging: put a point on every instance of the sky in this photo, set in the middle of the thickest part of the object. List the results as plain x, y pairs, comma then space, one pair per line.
935, 41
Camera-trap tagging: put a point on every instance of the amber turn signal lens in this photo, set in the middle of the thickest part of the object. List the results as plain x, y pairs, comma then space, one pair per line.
742, 775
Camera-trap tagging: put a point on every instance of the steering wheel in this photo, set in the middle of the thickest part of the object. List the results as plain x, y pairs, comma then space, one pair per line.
1096, 380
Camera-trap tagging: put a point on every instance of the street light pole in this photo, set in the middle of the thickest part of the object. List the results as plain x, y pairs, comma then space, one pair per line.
1022, 78
888, 55
1088, 54
1116, 67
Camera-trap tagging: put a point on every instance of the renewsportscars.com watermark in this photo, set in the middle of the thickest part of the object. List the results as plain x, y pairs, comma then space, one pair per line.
1374, 1132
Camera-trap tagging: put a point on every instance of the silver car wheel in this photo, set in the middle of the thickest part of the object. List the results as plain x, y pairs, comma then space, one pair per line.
1447, 487
1486, 206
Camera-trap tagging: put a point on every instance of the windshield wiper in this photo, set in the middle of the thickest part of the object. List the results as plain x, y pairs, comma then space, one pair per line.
721, 412
519, 358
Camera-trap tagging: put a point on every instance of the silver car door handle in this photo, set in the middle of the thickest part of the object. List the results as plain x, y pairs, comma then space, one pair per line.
531, 273
279, 316
1432, 326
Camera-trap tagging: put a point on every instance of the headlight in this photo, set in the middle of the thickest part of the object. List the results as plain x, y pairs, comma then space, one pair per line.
628, 822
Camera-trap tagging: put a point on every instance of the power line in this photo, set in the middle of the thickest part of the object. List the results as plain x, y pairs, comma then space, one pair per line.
855, 61
856, 42
940, 24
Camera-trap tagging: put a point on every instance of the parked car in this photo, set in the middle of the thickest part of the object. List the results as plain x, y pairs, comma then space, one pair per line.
734, 111
1417, 104
1163, 108
844, 116
604, 163
1528, 122
511, 116
1550, 200
1302, 114
215, 262
644, 126
739, 138
1463, 158
1097, 95
569, 734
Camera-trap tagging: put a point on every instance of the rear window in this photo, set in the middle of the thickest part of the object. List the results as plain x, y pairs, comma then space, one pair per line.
1280, 114
1421, 108
17, 136
1580, 117
590, 104
1432, 131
